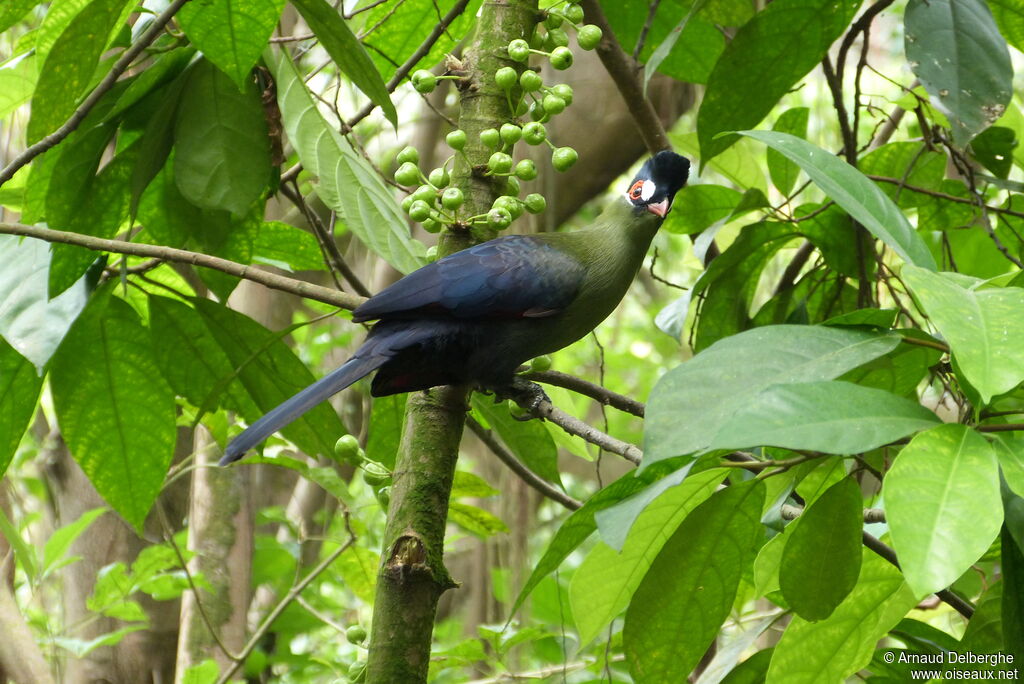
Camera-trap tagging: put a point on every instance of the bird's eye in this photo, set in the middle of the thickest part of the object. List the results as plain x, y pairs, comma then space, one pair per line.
642, 190
637, 190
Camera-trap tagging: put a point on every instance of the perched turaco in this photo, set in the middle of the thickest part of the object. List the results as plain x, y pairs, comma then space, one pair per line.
475, 316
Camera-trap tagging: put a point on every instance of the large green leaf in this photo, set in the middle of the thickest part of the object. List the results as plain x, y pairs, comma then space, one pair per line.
686, 595
386, 421
19, 389
766, 58
347, 183
30, 321
851, 190
529, 440
821, 560
836, 647
703, 204
604, 583
943, 505
69, 66
270, 372
830, 416
983, 327
954, 47
1009, 15
13, 10
347, 52
222, 155
691, 402
783, 171
114, 408
231, 33
17, 82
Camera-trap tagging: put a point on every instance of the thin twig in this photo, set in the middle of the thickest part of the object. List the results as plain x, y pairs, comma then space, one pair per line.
1004, 427
525, 474
646, 29
871, 515
274, 281
835, 86
120, 66
373, 4
596, 392
943, 195
574, 426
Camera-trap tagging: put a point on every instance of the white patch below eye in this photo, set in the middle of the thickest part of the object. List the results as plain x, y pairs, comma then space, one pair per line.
647, 190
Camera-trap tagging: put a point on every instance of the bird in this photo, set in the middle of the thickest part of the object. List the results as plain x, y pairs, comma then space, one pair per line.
475, 316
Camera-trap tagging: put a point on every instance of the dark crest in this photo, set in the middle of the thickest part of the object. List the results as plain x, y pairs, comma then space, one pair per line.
658, 181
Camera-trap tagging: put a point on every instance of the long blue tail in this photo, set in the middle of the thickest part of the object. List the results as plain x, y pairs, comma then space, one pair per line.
349, 372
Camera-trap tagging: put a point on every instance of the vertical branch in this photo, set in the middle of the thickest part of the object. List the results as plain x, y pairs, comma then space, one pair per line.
412, 576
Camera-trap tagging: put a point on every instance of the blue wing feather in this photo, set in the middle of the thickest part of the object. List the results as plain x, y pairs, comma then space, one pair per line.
509, 277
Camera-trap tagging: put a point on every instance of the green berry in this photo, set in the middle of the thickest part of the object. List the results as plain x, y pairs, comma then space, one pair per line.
552, 21
535, 203
514, 206
355, 634
563, 158
408, 154
526, 170
512, 188
432, 253
424, 81
534, 133
499, 163
439, 178
561, 58
530, 80
553, 104
419, 211
518, 50
499, 219
510, 133
564, 91
425, 193
452, 198
347, 450
375, 474
573, 13
537, 40
541, 363
406, 203
538, 113
505, 77
431, 226
558, 38
384, 496
589, 36
490, 138
456, 139
407, 174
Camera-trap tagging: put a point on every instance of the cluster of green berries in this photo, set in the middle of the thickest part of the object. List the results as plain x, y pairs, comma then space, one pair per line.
347, 450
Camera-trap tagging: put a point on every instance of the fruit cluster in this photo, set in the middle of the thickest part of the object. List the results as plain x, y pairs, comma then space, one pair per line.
434, 202
376, 475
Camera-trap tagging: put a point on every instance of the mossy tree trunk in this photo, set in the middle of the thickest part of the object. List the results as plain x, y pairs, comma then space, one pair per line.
412, 575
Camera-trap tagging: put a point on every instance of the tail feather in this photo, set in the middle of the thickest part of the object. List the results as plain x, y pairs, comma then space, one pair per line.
327, 386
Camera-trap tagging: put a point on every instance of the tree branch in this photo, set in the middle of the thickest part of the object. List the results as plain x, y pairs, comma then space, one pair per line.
624, 71
99, 91
525, 474
589, 389
274, 281
943, 195
545, 410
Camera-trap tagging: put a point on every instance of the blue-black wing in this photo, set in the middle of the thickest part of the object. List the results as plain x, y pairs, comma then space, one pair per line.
509, 277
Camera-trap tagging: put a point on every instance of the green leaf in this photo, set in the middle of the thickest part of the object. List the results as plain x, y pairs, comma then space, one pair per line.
31, 322
347, 183
830, 416
347, 52
851, 190
75, 174
69, 66
270, 373
1013, 596
739, 163
17, 82
665, 47
61, 540
784, 172
994, 147
12, 11
19, 390
81, 647
528, 440
115, 410
1009, 16
832, 232
765, 59
973, 81
689, 590
752, 670
386, 423
841, 644
24, 552
1010, 452
705, 204
468, 485
324, 476
603, 584
821, 559
222, 149
358, 565
982, 327
205, 672
475, 520
231, 33
943, 505
283, 245
156, 143
691, 402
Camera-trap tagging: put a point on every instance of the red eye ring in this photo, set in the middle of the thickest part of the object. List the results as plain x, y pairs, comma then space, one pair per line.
636, 192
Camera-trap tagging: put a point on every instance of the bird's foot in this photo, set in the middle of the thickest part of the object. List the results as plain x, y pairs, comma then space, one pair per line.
528, 395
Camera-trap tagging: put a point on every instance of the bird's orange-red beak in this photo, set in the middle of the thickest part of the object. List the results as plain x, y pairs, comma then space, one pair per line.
659, 209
